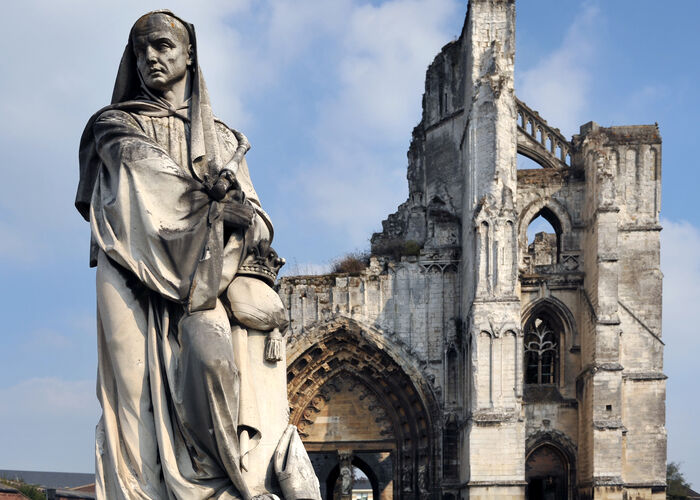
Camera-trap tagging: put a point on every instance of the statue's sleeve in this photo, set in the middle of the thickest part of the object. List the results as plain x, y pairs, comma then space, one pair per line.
147, 213
230, 143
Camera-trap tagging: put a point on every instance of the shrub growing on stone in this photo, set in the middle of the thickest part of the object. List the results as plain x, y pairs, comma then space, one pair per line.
355, 262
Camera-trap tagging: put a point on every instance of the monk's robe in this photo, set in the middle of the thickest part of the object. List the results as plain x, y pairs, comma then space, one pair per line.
169, 379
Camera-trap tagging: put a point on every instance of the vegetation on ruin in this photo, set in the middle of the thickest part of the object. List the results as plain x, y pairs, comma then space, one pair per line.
352, 263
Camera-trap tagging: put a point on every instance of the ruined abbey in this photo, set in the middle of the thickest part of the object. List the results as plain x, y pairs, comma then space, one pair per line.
470, 361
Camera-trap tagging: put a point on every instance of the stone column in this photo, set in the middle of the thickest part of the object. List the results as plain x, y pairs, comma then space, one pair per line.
492, 454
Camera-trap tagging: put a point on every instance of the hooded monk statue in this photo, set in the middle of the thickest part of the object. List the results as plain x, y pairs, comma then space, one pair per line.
188, 322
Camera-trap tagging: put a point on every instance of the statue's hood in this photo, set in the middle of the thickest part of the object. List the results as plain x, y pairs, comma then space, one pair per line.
131, 94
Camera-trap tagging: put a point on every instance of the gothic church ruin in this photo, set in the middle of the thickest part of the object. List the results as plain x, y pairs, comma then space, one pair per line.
467, 360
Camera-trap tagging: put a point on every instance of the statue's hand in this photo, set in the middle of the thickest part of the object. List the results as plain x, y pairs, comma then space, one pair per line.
225, 183
238, 213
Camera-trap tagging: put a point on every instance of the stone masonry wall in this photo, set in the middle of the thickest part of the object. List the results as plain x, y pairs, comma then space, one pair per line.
454, 287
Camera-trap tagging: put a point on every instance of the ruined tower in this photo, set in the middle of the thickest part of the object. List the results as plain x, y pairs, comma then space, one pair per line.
468, 360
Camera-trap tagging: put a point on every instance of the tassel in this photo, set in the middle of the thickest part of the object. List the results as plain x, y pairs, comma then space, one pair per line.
274, 346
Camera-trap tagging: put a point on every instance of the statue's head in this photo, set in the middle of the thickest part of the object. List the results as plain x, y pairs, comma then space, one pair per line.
163, 50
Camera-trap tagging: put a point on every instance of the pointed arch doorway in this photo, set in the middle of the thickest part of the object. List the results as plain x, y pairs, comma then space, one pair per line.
358, 403
548, 472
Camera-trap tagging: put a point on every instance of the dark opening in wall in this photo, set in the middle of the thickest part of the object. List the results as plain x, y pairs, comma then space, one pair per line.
544, 238
546, 471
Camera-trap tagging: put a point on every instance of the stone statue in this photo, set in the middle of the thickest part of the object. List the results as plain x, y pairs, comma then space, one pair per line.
184, 275
346, 480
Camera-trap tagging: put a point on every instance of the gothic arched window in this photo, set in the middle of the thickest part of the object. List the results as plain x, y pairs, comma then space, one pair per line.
541, 352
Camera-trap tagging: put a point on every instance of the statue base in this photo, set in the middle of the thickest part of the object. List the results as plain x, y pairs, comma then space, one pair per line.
279, 464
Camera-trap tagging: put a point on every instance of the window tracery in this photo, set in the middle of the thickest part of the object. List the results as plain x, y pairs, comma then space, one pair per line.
541, 352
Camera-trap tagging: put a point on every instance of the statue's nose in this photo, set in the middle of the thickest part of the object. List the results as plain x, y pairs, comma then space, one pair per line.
150, 54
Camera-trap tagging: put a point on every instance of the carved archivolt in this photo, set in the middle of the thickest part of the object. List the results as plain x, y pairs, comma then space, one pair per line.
348, 357
346, 382
403, 355
341, 358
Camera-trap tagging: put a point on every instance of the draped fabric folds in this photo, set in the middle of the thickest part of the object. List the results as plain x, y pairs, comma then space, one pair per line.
171, 374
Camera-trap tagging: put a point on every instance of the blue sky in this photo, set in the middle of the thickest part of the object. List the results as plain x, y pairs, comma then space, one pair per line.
328, 93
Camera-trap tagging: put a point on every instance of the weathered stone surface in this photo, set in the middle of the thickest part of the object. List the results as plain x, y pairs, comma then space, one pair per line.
443, 313
194, 399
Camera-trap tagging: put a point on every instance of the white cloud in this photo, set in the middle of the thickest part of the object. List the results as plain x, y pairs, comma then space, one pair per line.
680, 248
51, 339
357, 174
378, 59
61, 64
558, 85
292, 25
387, 51
642, 105
681, 267
60, 68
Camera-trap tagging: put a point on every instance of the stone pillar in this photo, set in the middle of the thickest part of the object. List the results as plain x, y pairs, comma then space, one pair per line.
601, 377
346, 477
492, 455
623, 446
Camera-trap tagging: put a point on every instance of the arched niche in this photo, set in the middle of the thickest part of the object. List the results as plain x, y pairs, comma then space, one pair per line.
349, 365
554, 213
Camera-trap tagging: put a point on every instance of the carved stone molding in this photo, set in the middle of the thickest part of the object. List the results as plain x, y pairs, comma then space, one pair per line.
345, 359
345, 381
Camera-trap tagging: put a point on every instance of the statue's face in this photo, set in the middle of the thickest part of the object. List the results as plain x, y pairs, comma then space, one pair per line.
163, 51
